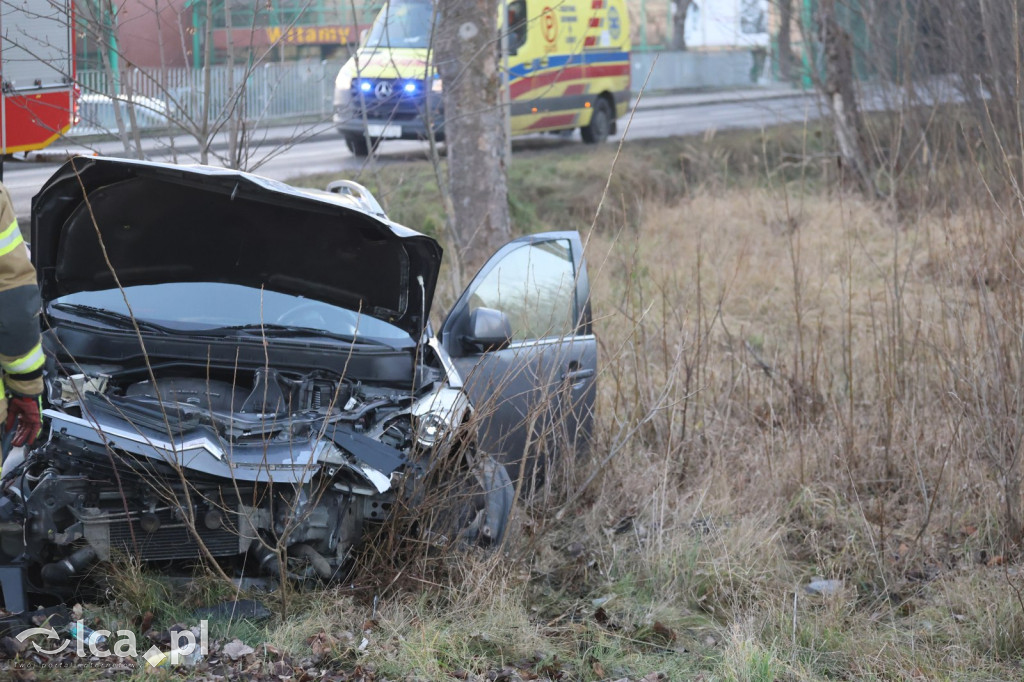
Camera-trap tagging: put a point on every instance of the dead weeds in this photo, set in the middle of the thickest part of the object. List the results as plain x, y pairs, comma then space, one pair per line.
797, 388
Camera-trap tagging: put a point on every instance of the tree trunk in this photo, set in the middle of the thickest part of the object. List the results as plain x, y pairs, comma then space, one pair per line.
233, 101
841, 96
679, 24
466, 54
204, 136
785, 44
111, 67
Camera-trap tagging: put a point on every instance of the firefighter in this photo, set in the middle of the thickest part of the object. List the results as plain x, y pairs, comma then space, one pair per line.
21, 353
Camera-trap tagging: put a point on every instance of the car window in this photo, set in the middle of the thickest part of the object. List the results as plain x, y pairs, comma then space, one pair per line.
517, 25
535, 286
195, 306
402, 24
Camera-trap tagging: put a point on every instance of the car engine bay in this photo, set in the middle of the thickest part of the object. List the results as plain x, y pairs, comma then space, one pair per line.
275, 474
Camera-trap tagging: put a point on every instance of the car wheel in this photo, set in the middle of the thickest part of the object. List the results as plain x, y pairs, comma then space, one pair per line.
476, 510
600, 126
498, 495
357, 145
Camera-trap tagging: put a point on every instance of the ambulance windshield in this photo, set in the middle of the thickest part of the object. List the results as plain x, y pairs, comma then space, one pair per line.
402, 24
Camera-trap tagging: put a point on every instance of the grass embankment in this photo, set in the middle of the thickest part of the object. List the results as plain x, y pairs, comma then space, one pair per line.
795, 384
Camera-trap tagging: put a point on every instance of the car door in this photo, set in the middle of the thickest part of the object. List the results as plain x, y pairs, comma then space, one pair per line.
521, 338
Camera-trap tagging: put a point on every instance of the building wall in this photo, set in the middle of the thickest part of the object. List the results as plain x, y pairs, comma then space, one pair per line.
147, 40
727, 23
710, 24
140, 32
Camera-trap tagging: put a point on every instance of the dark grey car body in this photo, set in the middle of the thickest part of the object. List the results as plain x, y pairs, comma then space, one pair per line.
242, 372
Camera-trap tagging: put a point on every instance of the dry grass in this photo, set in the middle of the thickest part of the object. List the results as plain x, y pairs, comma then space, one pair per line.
808, 385
794, 384
851, 413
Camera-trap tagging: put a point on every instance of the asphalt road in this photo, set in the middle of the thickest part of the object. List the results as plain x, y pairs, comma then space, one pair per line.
283, 153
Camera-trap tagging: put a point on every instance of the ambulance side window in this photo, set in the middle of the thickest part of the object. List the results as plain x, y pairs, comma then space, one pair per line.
517, 25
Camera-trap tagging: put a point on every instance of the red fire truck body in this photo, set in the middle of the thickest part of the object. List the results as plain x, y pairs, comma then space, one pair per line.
37, 73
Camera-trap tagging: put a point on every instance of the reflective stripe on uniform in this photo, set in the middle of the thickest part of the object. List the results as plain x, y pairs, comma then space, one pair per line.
29, 362
10, 238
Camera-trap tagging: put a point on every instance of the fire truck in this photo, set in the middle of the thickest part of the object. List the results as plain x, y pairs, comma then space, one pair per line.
37, 73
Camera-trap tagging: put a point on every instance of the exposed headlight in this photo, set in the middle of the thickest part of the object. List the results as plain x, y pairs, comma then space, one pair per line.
437, 415
431, 428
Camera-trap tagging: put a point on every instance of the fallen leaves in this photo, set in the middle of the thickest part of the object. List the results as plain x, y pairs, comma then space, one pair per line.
336, 655
236, 649
322, 645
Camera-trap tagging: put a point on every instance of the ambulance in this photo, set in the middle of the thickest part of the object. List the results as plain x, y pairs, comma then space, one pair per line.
567, 63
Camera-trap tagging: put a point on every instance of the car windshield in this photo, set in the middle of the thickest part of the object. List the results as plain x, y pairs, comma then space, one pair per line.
209, 306
405, 23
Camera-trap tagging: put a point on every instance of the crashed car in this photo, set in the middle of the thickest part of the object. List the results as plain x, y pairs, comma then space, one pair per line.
243, 373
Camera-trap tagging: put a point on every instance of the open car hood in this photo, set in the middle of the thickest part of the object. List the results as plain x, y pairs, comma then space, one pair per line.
159, 223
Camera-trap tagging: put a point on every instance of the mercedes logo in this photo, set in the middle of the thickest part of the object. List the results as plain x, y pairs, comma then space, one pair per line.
383, 89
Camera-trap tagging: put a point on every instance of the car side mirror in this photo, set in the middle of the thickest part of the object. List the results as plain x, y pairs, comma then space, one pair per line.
489, 329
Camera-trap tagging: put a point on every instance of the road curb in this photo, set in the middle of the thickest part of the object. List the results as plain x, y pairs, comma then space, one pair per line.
60, 157
726, 98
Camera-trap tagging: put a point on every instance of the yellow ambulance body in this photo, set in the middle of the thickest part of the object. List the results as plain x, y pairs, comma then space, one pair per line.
568, 67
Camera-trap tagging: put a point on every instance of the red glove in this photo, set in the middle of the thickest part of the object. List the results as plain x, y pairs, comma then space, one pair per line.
24, 414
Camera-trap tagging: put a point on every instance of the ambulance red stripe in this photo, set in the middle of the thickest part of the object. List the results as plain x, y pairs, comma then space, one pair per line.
553, 121
524, 85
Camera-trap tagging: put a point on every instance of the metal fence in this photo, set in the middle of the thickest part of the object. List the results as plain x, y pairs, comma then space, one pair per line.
269, 93
694, 70
278, 92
